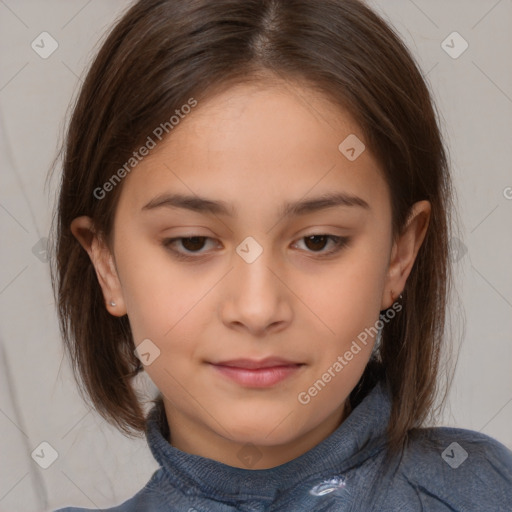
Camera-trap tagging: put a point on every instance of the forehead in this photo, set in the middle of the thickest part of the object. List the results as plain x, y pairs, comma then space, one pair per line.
259, 143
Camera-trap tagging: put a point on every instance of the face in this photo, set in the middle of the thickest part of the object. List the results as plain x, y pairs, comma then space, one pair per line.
230, 273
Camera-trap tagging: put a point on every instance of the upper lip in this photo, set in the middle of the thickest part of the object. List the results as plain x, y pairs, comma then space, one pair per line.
268, 362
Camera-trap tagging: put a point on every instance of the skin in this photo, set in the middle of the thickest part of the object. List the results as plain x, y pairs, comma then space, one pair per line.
254, 146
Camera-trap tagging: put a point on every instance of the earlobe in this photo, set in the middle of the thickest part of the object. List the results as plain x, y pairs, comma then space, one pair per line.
404, 252
102, 259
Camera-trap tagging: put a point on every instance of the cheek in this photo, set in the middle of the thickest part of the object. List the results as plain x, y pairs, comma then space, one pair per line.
347, 297
348, 304
164, 305
158, 294
161, 309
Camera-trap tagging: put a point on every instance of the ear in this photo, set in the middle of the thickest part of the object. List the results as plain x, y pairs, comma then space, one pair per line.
103, 262
404, 252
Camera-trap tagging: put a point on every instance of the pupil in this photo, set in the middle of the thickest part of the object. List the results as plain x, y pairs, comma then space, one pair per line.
197, 242
316, 237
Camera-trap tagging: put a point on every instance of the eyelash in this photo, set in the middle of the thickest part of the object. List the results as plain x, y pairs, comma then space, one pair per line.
340, 243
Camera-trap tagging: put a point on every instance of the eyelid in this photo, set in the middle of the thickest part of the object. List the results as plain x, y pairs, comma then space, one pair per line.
340, 242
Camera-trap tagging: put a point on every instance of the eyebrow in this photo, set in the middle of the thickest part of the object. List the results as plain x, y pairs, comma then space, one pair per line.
295, 208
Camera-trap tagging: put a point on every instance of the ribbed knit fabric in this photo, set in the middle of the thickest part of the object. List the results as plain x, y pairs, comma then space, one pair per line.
441, 469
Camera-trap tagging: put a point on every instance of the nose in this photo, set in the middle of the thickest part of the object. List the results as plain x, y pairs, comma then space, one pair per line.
257, 299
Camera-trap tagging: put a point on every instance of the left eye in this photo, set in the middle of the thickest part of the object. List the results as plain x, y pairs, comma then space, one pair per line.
315, 243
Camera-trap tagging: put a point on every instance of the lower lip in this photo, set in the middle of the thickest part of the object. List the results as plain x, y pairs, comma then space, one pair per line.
258, 378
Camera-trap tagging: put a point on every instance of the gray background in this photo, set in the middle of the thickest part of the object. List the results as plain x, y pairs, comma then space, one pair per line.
96, 466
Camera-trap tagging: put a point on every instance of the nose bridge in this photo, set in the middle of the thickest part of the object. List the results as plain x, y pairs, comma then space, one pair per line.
252, 268
257, 299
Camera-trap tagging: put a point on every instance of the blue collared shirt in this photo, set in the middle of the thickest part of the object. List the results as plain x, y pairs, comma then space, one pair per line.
440, 470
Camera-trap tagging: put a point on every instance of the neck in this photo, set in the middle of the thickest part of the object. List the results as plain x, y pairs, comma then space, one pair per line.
191, 436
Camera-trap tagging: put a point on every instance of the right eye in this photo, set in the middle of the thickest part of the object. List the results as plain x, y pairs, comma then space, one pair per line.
192, 245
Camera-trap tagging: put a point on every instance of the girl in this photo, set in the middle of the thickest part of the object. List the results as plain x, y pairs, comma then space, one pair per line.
255, 210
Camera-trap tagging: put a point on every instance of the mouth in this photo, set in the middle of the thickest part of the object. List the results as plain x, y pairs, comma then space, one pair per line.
257, 373
255, 364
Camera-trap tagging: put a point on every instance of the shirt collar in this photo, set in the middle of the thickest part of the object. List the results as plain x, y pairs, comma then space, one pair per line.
360, 435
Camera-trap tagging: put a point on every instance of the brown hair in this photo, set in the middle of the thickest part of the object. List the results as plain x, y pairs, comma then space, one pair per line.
163, 52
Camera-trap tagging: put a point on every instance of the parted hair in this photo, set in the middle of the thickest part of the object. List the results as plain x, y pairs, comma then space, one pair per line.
158, 55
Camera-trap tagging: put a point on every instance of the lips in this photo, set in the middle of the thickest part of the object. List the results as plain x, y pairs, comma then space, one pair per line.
257, 373
254, 364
